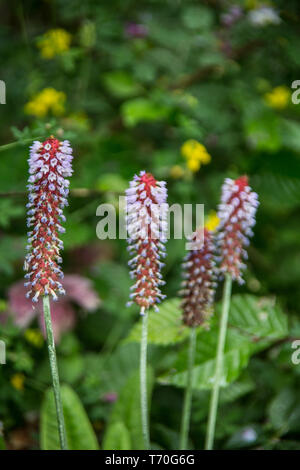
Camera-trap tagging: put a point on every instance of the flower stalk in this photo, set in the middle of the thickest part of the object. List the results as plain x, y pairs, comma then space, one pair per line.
146, 226
54, 374
49, 167
198, 294
212, 417
186, 413
143, 382
237, 217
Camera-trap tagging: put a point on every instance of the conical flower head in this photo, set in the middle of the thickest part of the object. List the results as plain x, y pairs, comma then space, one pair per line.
237, 216
146, 225
49, 165
199, 272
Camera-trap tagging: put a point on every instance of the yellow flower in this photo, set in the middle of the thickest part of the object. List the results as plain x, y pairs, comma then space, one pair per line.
195, 154
47, 100
17, 381
34, 336
193, 164
176, 171
278, 97
212, 221
54, 42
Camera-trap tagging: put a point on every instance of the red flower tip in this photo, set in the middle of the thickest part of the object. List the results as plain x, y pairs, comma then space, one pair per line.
146, 224
237, 216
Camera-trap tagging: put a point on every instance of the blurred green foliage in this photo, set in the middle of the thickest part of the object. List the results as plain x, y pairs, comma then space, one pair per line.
139, 79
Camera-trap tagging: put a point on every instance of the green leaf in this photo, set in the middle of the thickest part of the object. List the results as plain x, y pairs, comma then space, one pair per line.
142, 109
117, 437
127, 411
284, 412
164, 327
236, 390
277, 191
253, 324
263, 132
80, 434
121, 84
236, 358
260, 317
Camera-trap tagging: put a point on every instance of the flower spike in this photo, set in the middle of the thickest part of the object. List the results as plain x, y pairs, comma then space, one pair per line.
49, 165
199, 280
147, 226
237, 216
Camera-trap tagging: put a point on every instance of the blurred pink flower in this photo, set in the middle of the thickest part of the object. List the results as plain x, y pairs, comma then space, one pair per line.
78, 289
136, 30
110, 397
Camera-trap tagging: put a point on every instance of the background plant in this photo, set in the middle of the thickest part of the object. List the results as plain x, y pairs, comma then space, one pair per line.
129, 90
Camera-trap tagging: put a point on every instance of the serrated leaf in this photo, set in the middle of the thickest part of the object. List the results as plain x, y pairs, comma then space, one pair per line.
253, 324
260, 317
235, 360
164, 327
80, 434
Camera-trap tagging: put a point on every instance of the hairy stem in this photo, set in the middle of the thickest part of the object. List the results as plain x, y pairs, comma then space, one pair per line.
213, 408
186, 412
54, 373
143, 381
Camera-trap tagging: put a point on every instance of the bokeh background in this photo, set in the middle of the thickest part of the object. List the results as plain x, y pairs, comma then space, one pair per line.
193, 91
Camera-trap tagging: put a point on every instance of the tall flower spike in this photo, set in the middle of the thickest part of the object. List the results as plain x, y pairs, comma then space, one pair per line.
147, 226
199, 280
237, 216
49, 165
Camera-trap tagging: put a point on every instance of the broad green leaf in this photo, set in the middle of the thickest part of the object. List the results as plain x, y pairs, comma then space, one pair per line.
164, 327
236, 390
127, 411
236, 358
257, 316
253, 324
80, 434
117, 437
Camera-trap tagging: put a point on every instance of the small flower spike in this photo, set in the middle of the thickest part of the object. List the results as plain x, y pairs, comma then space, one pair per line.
237, 216
199, 272
49, 165
147, 226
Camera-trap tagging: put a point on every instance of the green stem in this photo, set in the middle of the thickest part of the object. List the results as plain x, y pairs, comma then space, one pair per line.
209, 442
5, 147
143, 382
54, 373
186, 412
